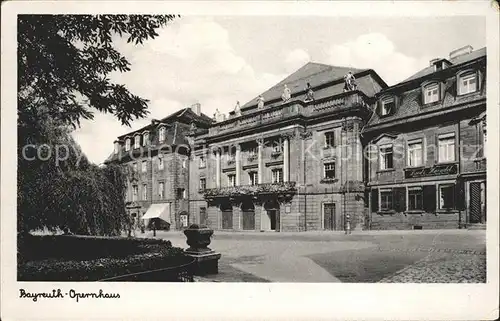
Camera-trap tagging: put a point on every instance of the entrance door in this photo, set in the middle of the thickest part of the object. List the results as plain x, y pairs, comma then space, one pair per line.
227, 216
274, 217
329, 217
203, 216
477, 202
248, 213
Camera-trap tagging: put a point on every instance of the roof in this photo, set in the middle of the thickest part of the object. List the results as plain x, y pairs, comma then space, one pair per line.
456, 61
319, 76
185, 115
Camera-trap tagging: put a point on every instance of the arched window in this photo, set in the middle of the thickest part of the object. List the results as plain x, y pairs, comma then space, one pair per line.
467, 82
137, 141
431, 93
145, 138
127, 144
161, 134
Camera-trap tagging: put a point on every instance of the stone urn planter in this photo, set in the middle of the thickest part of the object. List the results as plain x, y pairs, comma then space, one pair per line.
206, 259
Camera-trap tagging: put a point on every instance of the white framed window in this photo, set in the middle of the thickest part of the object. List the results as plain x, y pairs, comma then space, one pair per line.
231, 180
277, 175
181, 193
161, 190
446, 196
161, 134
117, 147
203, 162
144, 192
254, 178
415, 153
415, 198
467, 83
386, 157
144, 166
446, 148
386, 203
135, 192
277, 146
137, 141
329, 139
127, 144
329, 170
431, 93
387, 106
145, 139
160, 162
203, 183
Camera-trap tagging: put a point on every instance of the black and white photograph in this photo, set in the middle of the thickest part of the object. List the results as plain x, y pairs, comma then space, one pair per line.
161, 148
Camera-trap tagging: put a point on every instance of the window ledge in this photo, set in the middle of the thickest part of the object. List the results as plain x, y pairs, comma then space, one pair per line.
386, 170
422, 212
414, 167
446, 163
433, 104
444, 211
386, 212
329, 180
467, 94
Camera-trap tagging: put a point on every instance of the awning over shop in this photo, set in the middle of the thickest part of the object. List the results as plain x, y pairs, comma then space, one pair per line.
158, 211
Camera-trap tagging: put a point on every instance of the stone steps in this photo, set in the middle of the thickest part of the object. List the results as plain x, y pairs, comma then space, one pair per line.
477, 226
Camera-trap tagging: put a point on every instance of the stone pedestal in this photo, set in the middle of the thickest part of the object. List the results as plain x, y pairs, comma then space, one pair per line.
206, 259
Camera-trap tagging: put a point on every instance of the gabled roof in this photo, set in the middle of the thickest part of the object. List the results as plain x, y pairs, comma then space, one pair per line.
456, 61
313, 73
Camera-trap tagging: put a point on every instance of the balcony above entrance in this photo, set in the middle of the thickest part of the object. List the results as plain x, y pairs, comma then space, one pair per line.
278, 189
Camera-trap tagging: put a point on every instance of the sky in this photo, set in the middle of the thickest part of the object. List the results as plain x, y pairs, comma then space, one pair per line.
216, 61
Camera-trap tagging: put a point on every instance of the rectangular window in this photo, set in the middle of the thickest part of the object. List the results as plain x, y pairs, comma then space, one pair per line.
160, 162
145, 139
467, 84
446, 196
135, 192
415, 199
203, 162
162, 134
253, 178
388, 106
415, 153
161, 190
181, 193
137, 141
127, 144
144, 192
431, 93
329, 170
446, 148
330, 139
134, 167
231, 179
203, 183
386, 157
144, 166
386, 200
277, 175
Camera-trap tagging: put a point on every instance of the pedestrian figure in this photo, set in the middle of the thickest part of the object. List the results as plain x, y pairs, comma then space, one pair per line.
347, 224
154, 227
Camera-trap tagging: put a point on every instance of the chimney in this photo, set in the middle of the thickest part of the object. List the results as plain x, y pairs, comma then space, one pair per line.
154, 121
196, 108
433, 61
460, 52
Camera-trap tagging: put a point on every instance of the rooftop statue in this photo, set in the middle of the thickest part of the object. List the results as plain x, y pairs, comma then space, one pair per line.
218, 116
287, 94
309, 93
350, 82
260, 102
237, 109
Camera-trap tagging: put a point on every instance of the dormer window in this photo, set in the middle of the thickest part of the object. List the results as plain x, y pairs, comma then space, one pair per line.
117, 147
161, 135
145, 139
137, 141
387, 106
467, 83
431, 93
127, 144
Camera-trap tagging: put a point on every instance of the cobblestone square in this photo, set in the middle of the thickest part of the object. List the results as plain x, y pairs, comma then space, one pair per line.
432, 256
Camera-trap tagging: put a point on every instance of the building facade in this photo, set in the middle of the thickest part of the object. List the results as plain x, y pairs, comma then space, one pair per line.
327, 148
425, 161
290, 164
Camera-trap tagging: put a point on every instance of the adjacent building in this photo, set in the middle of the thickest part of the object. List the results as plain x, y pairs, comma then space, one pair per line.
425, 164
326, 148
